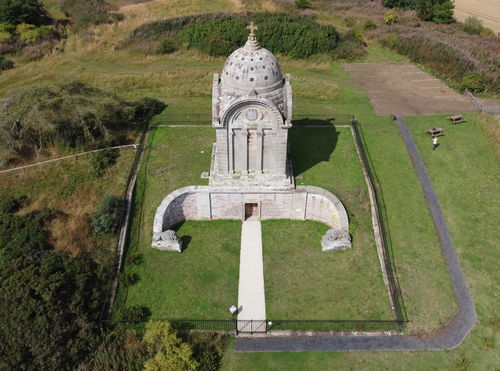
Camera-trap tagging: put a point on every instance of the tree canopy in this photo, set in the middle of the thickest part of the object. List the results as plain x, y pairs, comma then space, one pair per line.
23, 11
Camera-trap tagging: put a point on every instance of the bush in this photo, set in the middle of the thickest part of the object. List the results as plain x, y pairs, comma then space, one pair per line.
128, 279
351, 46
133, 313
350, 21
391, 17
23, 11
147, 108
165, 46
67, 113
30, 33
100, 161
295, 36
473, 25
486, 32
302, 4
369, 25
7, 27
5, 37
404, 4
5, 64
85, 13
474, 82
106, 220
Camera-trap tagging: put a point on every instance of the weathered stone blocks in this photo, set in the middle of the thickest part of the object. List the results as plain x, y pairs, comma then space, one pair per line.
335, 240
167, 240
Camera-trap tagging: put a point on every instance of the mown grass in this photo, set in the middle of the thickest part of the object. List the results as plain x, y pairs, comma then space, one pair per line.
302, 281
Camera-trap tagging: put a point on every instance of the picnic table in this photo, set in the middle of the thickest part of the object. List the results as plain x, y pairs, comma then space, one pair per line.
435, 132
456, 119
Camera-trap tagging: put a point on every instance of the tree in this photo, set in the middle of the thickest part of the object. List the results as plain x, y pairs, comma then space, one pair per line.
167, 350
23, 11
437, 11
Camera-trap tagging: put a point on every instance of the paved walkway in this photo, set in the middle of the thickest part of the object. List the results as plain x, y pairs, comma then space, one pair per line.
251, 298
448, 337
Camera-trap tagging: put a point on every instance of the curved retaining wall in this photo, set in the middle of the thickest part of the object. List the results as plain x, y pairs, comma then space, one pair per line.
207, 203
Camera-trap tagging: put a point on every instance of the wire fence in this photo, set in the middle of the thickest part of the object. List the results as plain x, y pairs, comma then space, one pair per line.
480, 106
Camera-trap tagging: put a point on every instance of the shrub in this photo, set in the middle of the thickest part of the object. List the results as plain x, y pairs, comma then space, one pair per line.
350, 21
5, 64
404, 4
5, 37
391, 17
487, 32
30, 33
165, 46
351, 46
295, 36
302, 4
67, 113
473, 25
133, 313
369, 25
127, 279
100, 161
473, 81
106, 220
146, 108
85, 13
7, 27
23, 11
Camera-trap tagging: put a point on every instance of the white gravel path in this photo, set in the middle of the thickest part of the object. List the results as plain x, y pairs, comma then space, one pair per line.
251, 297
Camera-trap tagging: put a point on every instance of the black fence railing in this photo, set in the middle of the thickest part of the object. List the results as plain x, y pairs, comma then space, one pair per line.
270, 325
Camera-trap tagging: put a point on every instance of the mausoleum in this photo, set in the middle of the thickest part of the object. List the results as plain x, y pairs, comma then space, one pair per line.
251, 174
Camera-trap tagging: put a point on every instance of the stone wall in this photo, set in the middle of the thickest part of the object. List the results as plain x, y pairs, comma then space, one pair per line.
206, 203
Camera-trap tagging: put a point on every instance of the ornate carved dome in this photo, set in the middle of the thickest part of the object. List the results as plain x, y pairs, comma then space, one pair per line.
251, 68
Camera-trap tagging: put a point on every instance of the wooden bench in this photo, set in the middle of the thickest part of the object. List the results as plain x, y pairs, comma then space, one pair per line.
456, 119
435, 132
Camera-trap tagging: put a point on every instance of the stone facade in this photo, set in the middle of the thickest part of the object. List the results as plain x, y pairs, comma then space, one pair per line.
251, 114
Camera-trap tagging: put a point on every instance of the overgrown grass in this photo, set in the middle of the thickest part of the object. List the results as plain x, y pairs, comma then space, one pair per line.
71, 186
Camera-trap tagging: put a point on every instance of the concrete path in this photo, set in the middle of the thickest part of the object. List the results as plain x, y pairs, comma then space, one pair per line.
251, 297
448, 337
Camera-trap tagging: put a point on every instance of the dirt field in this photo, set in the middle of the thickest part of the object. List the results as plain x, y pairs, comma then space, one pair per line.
487, 11
402, 88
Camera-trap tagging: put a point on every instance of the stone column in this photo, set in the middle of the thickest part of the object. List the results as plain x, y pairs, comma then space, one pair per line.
260, 150
243, 148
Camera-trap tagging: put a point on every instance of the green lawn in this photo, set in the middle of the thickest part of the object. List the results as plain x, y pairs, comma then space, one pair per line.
302, 281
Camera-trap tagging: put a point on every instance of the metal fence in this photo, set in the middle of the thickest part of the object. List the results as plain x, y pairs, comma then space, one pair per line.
480, 106
271, 325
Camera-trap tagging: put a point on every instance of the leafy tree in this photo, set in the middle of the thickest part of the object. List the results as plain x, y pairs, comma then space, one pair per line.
167, 350
23, 11
108, 215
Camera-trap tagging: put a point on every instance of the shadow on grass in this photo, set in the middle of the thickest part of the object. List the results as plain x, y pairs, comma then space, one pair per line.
311, 145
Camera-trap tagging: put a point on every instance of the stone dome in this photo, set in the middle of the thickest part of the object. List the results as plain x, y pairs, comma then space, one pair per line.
251, 68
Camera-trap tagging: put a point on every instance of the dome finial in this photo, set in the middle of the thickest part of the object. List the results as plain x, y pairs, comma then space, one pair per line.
252, 29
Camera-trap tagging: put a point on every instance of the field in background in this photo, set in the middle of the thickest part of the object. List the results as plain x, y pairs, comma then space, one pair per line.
488, 11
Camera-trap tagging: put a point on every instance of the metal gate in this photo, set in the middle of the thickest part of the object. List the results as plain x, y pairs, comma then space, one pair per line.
251, 326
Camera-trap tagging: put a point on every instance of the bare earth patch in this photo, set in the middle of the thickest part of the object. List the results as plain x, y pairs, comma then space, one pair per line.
404, 89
